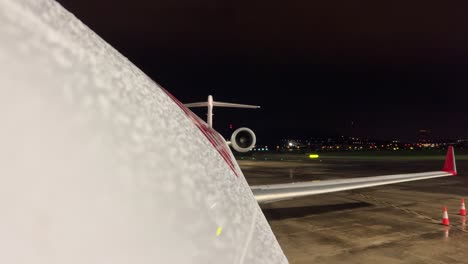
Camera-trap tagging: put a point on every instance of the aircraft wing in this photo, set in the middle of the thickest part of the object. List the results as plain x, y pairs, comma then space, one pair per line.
277, 192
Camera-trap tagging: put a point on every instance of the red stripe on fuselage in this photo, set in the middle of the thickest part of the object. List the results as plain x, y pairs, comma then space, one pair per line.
215, 139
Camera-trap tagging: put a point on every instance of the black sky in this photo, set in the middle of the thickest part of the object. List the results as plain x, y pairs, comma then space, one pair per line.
391, 68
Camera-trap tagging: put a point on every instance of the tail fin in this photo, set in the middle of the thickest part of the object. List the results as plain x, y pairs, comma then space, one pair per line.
450, 165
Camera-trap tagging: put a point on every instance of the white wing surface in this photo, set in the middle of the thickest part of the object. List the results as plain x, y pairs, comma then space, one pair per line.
277, 192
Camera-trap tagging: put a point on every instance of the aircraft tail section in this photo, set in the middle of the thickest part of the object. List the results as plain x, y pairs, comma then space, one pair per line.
210, 103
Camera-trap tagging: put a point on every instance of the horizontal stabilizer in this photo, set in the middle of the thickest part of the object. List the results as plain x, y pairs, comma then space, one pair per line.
199, 104
210, 103
222, 104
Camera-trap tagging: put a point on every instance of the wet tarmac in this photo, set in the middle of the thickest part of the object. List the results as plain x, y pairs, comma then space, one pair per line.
397, 223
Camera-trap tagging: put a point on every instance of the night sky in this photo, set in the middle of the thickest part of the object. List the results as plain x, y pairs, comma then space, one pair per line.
355, 68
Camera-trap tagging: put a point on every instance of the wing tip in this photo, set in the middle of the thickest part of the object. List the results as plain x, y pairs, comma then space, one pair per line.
450, 165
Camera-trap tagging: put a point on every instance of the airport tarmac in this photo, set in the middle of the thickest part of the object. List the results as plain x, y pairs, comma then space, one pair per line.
397, 223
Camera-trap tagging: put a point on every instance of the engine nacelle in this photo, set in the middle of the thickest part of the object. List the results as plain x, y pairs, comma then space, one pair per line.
243, 139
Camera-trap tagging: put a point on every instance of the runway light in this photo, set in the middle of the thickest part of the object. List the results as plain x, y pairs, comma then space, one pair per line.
313, 156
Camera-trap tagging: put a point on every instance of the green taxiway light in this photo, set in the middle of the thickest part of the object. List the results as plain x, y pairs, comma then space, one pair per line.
313, 156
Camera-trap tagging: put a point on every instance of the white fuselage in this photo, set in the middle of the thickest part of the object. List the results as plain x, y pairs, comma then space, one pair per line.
101, 165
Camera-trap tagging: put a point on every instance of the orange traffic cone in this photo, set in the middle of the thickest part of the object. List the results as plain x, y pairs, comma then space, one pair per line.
462, 208
445, 219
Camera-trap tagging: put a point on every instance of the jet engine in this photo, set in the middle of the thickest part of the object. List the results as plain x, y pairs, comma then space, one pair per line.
243, 139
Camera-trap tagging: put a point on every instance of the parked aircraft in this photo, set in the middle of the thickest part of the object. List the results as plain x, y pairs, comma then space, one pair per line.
100, 164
